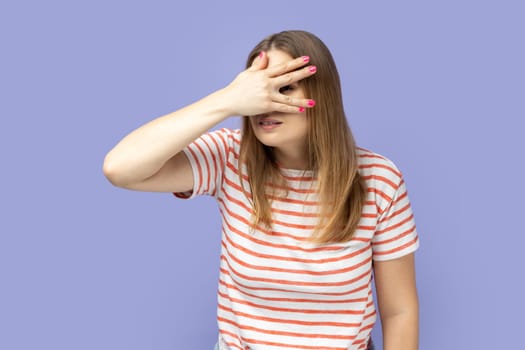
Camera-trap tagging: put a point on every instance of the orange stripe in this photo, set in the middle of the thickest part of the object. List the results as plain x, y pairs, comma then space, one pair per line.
233, 335
227, 147
371, 156
241, 218
295, 283
235, 186
232, 184
235, 169
207, 190
274, 245
377, 165
380, 193
236, 155
199, 183
216, 166
370, 315
292, 189
283, 345
282, 223
288, 321
370, 326
293, 300
291, 225
396, 213
283, 309
361, 239
383, 179
288, 334
237, 201
235, 139
311, 227
295, 259
313, 215
394, 226
248, 223
220, 149
273, 232
299, 272
395, 250
373, 203
393, 239
349, 292
295, 213
292, 201
299, 178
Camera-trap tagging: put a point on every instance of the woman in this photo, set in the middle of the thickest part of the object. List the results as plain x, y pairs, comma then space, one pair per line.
307, 215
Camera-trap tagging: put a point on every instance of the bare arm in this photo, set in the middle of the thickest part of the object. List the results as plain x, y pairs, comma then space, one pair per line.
146, 157
398, 302
150, 157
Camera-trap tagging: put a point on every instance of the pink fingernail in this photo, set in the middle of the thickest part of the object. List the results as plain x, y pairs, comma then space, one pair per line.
311, 103
306, 58
261, 54
301, 109
312, 69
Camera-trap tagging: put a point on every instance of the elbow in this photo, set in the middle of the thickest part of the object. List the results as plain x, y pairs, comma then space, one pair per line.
113, 172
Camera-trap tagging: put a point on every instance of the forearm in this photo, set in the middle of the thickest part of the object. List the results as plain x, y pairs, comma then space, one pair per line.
255, 91
401, 331
144, 151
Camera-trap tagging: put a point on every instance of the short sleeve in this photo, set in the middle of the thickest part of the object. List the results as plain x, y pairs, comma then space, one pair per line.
207, 155
395, 234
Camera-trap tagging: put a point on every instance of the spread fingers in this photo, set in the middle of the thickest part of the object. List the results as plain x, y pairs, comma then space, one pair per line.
293, 101
288, 66
293, 77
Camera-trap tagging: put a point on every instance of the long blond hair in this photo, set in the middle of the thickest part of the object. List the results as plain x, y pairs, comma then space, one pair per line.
330, 143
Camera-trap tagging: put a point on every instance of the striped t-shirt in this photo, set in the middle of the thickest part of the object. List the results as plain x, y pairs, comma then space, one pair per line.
275, 290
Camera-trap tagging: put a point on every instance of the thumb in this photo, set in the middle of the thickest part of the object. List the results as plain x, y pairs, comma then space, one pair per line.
260, 62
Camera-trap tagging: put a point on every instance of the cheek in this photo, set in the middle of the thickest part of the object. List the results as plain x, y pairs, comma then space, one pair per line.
300, 127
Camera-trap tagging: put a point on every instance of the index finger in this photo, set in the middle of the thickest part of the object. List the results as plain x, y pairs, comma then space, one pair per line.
289, 66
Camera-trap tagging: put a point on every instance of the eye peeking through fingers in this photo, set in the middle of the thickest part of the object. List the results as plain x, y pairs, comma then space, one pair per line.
286, 88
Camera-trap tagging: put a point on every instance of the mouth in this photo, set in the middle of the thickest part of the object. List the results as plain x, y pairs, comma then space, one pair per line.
268, 122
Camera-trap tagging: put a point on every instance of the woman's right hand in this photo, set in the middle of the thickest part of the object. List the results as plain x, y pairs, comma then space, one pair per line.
150, 158
256, 90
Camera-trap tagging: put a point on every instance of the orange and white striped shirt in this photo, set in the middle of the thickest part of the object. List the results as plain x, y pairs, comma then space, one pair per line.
275, 290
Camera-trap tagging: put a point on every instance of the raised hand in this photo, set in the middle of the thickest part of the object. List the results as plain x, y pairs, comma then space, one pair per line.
256, 90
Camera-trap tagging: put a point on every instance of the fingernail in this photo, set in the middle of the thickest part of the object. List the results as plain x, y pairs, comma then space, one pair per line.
312, 69
301, 109
306, 58
261, 54
311, 103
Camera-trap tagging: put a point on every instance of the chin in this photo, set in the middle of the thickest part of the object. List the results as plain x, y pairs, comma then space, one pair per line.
268, 142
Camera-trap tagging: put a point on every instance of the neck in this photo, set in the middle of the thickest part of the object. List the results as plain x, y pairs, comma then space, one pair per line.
291, 159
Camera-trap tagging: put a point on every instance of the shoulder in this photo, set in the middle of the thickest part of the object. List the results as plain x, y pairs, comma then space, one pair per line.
379, 172
231, 136
227, 133
224, 138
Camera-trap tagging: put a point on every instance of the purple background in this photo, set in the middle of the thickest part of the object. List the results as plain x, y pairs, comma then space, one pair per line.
437, 87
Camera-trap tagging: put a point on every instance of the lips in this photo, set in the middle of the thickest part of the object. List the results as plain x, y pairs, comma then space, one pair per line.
268, 121
268, 124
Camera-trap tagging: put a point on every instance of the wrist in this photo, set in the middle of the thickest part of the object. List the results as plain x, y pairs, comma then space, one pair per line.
223, 102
